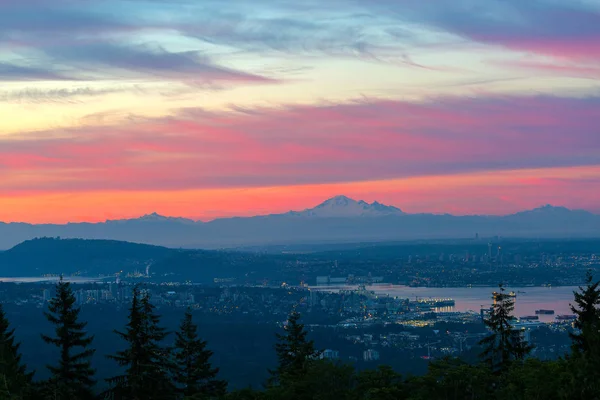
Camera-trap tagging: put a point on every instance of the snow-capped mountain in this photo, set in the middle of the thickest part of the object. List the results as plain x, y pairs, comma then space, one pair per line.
339, 219
342, 206
156, 218
550, 211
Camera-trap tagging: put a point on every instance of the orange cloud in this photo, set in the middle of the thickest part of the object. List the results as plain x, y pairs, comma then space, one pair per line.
443, 155
351, 142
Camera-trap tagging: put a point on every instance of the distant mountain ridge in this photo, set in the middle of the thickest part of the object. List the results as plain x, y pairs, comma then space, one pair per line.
339, 219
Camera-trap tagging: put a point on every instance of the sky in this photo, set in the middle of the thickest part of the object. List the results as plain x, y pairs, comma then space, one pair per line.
206, 109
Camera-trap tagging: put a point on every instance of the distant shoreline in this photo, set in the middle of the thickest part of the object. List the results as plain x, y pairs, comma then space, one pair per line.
398, 286
51, 279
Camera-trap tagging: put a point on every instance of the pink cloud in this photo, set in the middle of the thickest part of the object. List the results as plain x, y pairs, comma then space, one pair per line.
311, 144
564, 69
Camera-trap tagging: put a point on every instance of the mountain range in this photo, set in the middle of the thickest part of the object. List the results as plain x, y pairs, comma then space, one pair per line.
339, 219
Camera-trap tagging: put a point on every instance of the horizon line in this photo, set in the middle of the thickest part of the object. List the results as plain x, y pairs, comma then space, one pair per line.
200, 220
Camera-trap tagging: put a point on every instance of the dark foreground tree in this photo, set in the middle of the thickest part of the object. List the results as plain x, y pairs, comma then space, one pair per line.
452, 379
15, 381
193, 372
584, 361
319, 380
146, 363
73, 377
382, 383
504, 344
294, 352
535, 379
587, 300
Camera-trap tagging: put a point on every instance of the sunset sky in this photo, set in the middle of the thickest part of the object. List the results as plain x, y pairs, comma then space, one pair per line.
210, 108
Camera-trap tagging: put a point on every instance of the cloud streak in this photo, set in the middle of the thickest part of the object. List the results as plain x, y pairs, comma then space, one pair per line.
359, 141
92, 41
567, 31
39, 96
13, 72
80, 41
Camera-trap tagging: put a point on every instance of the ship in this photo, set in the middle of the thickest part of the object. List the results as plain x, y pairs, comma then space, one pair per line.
544, 312
434, 302
566, 317
529, 318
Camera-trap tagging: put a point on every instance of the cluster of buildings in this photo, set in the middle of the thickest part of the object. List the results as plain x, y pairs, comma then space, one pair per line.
373, 325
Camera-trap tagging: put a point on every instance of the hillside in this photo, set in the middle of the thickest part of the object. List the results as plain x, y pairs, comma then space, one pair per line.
94, 258
78, 257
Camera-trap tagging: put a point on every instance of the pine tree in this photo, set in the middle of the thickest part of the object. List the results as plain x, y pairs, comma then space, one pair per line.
146, 363
588, 315
294, 352
504, 344
14, 380
73, 377
584, 362
193, 371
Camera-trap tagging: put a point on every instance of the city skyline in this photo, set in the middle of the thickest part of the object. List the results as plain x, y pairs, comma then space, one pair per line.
211, 109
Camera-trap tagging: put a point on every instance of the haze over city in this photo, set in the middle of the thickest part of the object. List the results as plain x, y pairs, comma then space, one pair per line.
216, 109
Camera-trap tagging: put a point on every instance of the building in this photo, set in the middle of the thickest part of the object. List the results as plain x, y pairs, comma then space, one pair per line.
370, 355
322, 280
327, 280
330, 355
314, 298
46, 295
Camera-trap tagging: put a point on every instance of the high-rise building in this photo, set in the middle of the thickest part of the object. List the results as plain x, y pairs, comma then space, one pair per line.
46, 295
370, 355
330, 355
314, 298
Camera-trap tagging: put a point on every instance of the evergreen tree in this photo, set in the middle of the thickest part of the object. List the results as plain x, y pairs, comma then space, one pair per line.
588, 316
505, 343
382, 383
14, 380
320, 380
146, 363
294, 352
193, 371
452, 378
584, 362
73, 377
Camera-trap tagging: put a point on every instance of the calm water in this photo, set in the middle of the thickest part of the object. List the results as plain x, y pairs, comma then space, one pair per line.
527, 301
72, 279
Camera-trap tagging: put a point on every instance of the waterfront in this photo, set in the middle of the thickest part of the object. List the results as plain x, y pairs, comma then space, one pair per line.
528, 300
50, 279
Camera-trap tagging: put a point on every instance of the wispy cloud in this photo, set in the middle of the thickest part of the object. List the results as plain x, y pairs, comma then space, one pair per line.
358, 141
68, 40
14, 72
86, 37
564, 30
37, 96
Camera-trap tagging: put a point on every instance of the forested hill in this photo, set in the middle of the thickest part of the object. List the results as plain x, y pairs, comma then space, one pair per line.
76, 256
91, 258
